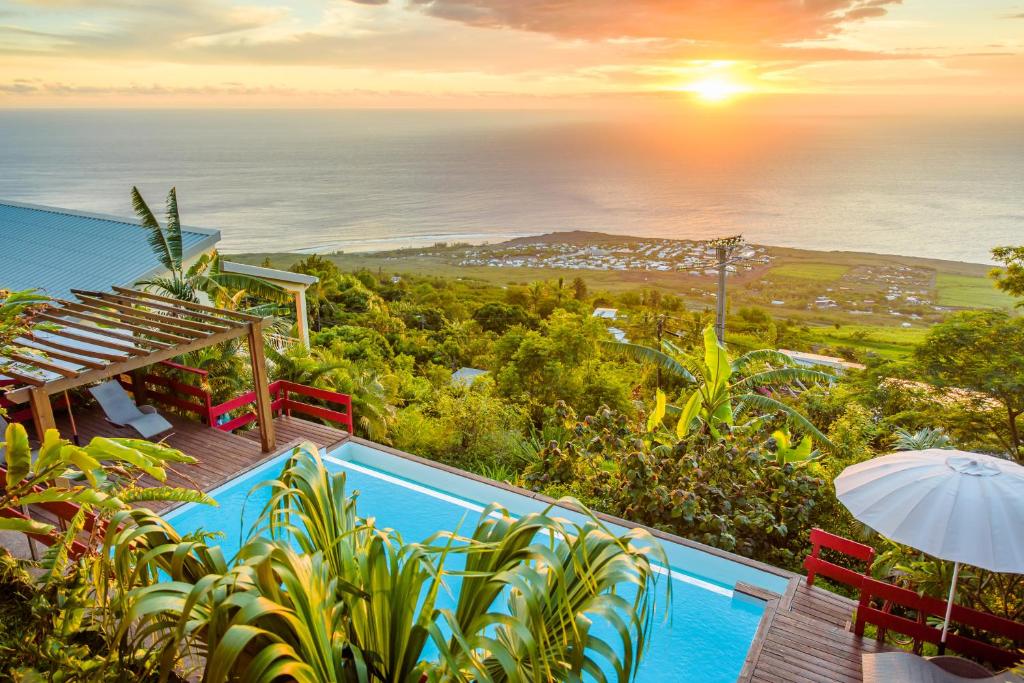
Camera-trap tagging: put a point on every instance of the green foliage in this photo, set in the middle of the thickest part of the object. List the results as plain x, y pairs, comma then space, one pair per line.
732, 492
922, 439
724, 388
1010, 278
71, 622
498, 317
467, 427
318, 594
979, 351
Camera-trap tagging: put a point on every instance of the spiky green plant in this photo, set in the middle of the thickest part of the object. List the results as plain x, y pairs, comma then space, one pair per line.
319, 594
722, 387
206, 275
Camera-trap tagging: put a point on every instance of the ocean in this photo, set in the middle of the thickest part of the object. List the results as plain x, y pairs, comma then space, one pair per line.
371, 180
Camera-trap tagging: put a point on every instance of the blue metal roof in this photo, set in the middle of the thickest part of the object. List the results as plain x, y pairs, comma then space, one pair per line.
55, 250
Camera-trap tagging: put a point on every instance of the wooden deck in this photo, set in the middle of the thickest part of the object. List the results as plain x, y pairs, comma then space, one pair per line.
804, 639
221, 455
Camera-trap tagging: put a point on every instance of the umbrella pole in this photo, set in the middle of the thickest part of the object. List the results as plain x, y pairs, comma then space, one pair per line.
949, 604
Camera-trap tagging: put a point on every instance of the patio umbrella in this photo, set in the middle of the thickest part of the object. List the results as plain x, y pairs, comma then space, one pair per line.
966, 508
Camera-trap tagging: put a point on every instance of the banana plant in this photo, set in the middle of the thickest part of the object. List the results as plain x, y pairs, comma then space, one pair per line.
723, 388
786, 452
96, 477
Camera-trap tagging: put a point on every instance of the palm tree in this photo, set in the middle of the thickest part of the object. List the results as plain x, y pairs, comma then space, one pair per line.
724, 388
319, 594
205, 276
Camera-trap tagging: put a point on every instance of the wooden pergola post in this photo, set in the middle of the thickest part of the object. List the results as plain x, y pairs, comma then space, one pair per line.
264, 414
42, 411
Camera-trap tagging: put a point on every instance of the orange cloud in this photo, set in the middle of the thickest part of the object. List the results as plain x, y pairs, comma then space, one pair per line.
720, 21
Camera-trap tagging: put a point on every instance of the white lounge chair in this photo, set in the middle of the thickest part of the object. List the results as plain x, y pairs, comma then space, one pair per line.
121, 410
906, 667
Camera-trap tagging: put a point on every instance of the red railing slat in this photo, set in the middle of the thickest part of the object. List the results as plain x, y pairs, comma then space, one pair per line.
923, 607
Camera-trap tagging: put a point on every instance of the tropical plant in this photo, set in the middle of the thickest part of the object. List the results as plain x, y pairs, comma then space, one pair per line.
206, 275
725, 388
318, 593
788, 452
75, 623
102, 476
979, 351
922, 439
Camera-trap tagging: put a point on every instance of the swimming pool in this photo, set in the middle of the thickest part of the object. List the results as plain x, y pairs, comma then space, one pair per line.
710, 626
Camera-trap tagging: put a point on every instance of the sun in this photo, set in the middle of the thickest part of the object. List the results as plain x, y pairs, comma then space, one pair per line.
715, 89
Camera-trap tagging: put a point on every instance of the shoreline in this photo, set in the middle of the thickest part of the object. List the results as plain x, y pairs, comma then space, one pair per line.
587, 238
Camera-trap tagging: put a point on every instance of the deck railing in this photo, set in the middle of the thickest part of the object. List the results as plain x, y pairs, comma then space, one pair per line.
891, 608
333, 406
283, 401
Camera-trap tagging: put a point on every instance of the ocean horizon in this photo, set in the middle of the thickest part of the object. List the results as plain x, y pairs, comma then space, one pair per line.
363, 180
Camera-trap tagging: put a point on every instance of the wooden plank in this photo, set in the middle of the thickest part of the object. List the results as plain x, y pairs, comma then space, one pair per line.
23, 378
168, 307
41, 364
126, 366
59, 355
149, 315
123, 322
66, 333
261, 382
46, 344
139, 295
102, 331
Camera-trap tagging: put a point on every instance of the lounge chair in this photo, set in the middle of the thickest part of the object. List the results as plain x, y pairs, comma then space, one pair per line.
121, 410
906, 667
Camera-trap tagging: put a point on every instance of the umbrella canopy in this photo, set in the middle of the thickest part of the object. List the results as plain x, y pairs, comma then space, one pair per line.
956, 506
962, 507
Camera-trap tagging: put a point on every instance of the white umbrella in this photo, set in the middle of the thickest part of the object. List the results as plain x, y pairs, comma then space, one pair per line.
966, 508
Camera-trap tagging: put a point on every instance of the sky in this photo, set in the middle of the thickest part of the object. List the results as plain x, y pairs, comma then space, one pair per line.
778, 55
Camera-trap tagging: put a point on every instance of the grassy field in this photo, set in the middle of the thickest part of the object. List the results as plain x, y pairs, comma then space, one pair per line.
886, 342
969, 292
824, 272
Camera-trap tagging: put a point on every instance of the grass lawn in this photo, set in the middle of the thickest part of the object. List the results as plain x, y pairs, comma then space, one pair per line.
886, 342
824, 272
970, 292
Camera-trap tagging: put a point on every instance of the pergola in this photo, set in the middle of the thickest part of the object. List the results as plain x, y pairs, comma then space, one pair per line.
105, 334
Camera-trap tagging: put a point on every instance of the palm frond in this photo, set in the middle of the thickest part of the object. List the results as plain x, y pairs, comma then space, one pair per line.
174, 228
768, 356
769, 404
156, 238
784, 376
645, 354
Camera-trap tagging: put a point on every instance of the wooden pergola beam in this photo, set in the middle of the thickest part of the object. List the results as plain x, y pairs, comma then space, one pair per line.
151, 318
58, 385
236, 315
144, 329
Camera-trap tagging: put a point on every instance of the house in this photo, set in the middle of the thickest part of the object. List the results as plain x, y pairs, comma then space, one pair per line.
814, 360
466, 376
618, 335
56, 250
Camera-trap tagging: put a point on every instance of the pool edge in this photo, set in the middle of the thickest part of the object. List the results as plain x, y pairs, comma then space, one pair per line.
663, 535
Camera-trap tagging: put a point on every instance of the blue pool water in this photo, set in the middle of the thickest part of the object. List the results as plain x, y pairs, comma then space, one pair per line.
705, 637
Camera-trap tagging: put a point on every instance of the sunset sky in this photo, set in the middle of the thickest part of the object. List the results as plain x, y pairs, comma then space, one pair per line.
803, 55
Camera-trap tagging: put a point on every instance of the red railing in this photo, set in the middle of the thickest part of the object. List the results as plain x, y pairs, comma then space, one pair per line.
282, 401
904, 601
814, 564
927, 609
175, 394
